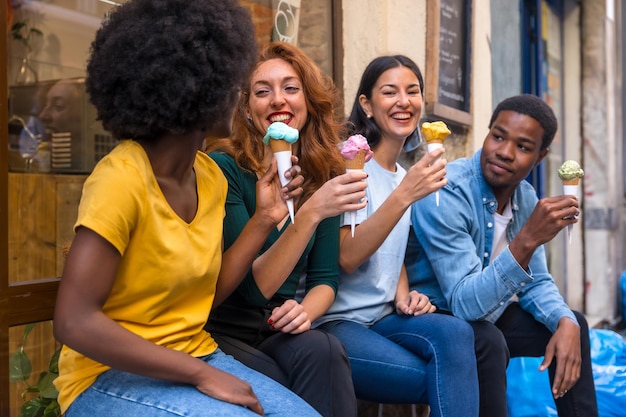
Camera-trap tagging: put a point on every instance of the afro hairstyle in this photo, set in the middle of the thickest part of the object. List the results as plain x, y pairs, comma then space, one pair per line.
159, 66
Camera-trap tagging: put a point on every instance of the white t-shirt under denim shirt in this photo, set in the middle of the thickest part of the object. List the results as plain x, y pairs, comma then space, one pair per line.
367, 295
500, 240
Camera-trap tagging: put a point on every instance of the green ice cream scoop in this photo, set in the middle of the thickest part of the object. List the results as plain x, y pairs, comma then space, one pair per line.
570, 170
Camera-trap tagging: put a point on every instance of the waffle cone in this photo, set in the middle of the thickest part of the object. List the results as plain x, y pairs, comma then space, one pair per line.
357, 163
571, 182
279, 145
436, 140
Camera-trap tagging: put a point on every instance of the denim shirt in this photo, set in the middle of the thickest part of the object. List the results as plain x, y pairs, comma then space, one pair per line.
449, 252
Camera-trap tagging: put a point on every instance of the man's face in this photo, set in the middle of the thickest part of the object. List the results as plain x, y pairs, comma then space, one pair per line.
511, 150
63, 110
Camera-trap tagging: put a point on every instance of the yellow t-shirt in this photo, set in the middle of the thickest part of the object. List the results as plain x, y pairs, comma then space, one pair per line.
165, 284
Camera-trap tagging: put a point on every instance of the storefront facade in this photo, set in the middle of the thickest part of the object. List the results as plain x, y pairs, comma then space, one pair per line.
473, 53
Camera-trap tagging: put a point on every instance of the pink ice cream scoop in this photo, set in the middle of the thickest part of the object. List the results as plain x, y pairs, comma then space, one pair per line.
355, 143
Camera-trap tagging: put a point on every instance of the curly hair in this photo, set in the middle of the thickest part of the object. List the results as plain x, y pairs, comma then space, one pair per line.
358, 121
160, 66
317, 148
534, 107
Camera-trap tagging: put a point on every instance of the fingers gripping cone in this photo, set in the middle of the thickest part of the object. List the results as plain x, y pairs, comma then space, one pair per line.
280, 137
570, 173
282, 152
435, 133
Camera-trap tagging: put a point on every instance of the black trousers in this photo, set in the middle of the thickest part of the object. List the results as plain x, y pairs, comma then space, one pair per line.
516, 334
312, 364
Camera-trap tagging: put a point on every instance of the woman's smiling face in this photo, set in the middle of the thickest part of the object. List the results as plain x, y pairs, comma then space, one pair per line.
395, 103
276, 95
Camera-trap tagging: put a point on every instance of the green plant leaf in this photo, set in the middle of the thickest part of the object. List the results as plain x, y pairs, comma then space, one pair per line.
46, 386
33, 408
54, 362
52, 410
27, 329
20, 367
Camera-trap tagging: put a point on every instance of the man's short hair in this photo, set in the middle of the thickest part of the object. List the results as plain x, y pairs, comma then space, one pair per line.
534, 107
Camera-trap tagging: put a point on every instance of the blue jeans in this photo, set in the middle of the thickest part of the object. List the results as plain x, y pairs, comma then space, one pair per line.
122, 394
313, 364
409, 360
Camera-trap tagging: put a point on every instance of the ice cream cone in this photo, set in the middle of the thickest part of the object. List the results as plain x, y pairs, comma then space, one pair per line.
279, 145
434, 134
573, 181
357, 163
356, 152
280, 137
570, 173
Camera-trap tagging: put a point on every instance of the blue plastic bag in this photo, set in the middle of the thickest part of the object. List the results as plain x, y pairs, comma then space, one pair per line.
608, 360
528, 390
623, 287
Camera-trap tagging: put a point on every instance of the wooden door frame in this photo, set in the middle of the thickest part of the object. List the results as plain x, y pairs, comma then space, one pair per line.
29, 301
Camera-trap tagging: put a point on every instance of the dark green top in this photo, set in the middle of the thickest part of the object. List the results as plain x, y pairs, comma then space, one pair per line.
320, 260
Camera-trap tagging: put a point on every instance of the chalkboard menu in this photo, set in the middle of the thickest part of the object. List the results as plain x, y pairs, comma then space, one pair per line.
453, 51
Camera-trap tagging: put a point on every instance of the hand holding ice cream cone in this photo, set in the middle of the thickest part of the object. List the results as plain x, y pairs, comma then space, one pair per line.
356, 152
434, 134
570, 173
280, 137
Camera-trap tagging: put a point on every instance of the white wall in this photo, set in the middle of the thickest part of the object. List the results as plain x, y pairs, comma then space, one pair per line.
373, 27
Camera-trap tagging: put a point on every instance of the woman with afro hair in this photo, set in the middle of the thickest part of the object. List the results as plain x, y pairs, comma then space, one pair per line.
265, 323
140, 276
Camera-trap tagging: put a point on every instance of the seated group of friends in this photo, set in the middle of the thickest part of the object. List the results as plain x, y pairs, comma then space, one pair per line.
188, 290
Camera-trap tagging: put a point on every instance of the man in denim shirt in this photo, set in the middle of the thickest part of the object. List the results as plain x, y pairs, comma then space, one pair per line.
479, 255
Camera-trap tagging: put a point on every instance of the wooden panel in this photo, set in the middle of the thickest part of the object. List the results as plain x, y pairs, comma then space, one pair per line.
42, 211
69, 189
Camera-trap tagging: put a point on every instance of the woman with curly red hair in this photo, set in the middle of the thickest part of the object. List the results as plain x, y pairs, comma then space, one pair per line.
262, 323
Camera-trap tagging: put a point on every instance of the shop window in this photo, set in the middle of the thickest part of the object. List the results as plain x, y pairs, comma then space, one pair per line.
44, 162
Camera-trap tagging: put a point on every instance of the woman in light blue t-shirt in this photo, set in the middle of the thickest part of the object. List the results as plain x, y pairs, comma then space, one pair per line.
399, 351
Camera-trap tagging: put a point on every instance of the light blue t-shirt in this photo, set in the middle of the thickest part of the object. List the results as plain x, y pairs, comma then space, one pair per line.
367, 295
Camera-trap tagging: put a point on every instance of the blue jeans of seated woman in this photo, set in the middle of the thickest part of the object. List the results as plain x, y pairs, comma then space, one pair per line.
122, 394
426, 359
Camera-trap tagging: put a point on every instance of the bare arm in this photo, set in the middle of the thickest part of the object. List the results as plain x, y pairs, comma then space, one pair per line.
421, 179
564, 347
270, 210
293, 317
80, 323
342, 193
411, 303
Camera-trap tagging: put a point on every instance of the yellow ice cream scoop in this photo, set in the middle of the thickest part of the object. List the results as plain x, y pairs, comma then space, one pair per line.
435, 131
570, 172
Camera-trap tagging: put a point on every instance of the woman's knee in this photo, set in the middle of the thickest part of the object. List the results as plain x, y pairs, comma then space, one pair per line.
322, 345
